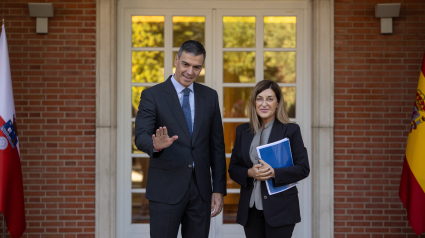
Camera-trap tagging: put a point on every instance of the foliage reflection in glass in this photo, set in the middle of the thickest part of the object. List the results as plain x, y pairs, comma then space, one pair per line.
136, 92
147, 67
280, 32
188, 28
139, 208
148, 31
239, 67
134, 149
236, 102
289, 94
280, 66
229, 129
230, 183
230, 208
139, 172
238, 32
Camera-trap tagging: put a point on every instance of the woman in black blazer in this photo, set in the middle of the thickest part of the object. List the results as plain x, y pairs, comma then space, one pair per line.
261, 214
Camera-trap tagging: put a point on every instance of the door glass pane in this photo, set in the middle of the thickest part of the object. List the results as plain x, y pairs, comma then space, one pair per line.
238, 32
230, 209
279, 66
148, 31
188, 28
289, 98
139, 172
147, 67
136, 92
139, 208
280, 32
134, 149
236, 102
230, 183
239, 67
229, 129
201, 77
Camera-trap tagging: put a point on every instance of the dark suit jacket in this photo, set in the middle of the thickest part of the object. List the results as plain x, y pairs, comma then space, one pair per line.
282, 208
170, 169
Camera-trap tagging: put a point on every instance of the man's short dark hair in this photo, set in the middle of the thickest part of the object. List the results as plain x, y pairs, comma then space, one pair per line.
193, 47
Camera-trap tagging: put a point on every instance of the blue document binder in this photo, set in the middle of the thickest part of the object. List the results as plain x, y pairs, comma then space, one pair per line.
277, 155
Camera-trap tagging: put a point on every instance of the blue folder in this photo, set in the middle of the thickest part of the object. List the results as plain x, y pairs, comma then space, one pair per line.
277, 155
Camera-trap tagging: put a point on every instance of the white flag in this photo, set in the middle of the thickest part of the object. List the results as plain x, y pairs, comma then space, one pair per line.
7, 108
11, 187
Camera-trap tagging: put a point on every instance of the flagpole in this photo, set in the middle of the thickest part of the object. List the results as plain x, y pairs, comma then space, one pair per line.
4, 222
4, 228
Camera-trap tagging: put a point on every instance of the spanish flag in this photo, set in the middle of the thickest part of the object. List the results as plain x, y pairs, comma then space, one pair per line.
412, 184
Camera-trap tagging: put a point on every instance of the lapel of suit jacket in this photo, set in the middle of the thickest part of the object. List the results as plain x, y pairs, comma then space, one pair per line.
199, 110
174, 103
278, 131
247, 137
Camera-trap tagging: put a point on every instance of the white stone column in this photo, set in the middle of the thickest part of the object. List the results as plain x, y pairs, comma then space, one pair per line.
323, 119
106, 118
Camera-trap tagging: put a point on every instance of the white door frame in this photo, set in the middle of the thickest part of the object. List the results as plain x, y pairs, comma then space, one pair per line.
303, 96
107, 112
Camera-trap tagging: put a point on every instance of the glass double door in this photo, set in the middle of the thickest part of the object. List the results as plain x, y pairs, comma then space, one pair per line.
243, 47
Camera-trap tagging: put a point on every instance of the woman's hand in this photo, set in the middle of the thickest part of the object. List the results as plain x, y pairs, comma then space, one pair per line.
260, 172
265, 165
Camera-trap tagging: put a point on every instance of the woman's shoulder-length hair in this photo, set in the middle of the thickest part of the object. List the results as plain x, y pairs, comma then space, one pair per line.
281, 114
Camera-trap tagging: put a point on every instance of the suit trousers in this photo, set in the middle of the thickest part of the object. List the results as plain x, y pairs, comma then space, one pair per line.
257, 227
192, 212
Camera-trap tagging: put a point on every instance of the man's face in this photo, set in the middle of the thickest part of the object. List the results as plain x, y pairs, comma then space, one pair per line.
188, 68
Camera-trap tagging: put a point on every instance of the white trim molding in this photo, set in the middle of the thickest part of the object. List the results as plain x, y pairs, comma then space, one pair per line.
323, 119
106, 119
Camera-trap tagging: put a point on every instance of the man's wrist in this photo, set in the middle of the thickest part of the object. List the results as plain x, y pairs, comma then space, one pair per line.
157, 150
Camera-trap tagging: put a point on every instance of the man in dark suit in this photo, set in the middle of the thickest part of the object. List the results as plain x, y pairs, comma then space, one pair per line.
179, 125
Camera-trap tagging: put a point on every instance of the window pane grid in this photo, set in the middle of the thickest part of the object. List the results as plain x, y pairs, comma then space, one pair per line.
240, 119
147, 48
280, 49
239, 49
138, 190
139, 155
243, 85
143, 84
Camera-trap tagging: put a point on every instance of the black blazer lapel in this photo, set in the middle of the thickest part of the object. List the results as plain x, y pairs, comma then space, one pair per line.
199, 110
278, 131
174, 103
247, 137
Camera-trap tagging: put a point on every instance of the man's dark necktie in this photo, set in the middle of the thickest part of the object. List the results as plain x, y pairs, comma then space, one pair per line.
186, 109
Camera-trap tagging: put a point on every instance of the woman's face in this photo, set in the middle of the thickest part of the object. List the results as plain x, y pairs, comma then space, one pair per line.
266, 105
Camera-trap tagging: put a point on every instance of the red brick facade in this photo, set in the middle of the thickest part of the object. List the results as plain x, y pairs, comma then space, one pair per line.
375, 84
54, 87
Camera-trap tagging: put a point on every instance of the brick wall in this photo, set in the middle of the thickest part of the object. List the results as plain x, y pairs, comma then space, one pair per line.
375, 84
54, 88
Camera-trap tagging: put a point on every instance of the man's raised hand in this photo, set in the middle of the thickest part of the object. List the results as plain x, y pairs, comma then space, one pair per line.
161, 140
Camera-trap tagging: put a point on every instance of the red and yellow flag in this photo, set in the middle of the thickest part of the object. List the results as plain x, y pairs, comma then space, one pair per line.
412, 184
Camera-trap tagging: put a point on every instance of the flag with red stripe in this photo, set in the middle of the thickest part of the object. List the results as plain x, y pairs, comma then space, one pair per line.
412, 184
11, 187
